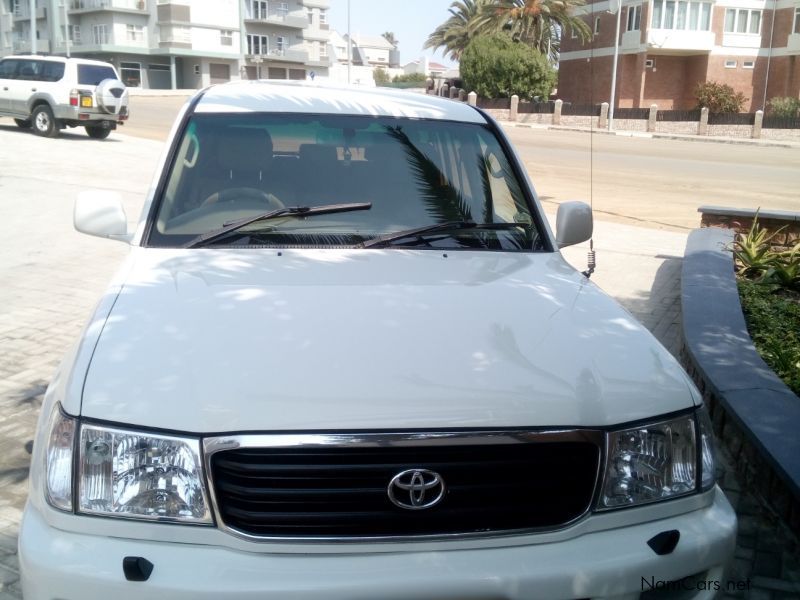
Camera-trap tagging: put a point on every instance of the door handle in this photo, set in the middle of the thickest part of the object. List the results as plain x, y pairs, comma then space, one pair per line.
33, 89
5, 89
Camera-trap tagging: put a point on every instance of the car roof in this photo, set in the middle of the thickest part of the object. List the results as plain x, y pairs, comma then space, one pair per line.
61, 59
283, 96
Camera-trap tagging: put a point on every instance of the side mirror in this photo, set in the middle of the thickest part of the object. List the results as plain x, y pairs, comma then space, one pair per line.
101, 214
573, 223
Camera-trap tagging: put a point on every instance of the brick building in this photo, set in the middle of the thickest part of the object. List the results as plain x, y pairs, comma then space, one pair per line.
667, 47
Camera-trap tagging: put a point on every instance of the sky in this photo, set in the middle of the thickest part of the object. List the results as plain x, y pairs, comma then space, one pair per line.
411, 21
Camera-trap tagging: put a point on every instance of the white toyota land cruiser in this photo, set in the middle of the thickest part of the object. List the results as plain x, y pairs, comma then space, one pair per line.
346, 360
50, 93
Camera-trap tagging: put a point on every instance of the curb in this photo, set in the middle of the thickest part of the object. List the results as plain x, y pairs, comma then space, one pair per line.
666, 136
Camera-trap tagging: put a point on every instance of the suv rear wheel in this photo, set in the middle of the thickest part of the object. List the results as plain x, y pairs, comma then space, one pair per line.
44, 123
98, 133
23, 123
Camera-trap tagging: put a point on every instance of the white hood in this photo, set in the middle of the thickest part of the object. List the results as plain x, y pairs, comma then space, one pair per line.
221, 340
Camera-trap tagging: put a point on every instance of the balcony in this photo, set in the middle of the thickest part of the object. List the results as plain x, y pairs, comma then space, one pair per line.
89, 6
741, 40
316, 35
679, 42
317, 3
793, 44
23, 13
631, 42
22, 46
274, 54
295, 20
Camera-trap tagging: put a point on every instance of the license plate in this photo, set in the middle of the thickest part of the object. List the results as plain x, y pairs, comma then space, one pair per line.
86, 101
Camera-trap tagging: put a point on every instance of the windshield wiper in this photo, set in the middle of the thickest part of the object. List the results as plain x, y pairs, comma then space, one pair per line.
386, 240
290, 211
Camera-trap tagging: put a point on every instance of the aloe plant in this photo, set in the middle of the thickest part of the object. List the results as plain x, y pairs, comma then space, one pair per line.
753, 250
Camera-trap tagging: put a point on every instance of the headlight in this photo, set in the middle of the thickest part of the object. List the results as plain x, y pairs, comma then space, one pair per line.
58, 460
658, 461
141, 475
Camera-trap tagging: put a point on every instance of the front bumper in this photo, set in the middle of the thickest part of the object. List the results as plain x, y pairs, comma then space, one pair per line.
611, 564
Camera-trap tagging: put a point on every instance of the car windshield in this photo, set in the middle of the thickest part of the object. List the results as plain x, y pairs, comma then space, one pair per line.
413, 173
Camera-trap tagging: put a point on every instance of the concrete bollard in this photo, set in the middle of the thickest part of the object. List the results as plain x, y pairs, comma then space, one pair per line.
651, 119
702, 126
453, 92
444, 90
462, 94
472, 99
757, 124
557, 112
512, 114
602, 122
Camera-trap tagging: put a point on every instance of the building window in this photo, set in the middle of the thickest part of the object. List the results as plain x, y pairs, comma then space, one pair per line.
75, 34
730, 64
257, 44
283, 9
226, 37
310, 16
197, 69
649, 63
280, 45
596, 25
323, 49
670, 14
100, 34
130, 73
258, 9
134, 33
634, 17
323, 17
796, 27
739, 20
749, 64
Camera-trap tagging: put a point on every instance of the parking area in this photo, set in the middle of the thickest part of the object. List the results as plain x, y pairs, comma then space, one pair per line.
52, 276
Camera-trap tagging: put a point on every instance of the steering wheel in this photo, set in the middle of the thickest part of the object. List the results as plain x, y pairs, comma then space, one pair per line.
243, 193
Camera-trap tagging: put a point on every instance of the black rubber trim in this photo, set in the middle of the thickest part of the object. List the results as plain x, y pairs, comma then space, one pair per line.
665, 542
136, 568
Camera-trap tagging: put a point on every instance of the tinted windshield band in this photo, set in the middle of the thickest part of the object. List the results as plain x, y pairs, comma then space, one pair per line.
413, 172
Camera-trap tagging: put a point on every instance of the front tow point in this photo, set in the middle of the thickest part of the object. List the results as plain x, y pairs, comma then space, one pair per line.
136, 568
665, 542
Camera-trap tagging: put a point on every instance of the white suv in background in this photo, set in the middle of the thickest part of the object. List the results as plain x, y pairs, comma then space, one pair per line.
50, 93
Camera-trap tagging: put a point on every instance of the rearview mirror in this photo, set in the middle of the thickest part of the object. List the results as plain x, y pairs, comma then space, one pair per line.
573, 223
100, 213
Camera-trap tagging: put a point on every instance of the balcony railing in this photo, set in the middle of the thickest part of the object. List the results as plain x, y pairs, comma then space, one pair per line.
298, 56
21, 45
89, 5
295, 20
23, 12
317, 3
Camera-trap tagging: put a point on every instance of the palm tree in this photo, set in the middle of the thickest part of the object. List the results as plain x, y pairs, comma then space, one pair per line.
389, 37
468, 18
539, 23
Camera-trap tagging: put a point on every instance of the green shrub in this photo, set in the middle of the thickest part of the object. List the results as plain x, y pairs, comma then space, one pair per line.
719, 97
380, 76
410, 78
756, 259
785, 107
495, 66
773, 320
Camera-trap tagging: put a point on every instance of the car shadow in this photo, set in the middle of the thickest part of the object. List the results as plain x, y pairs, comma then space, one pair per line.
67, 134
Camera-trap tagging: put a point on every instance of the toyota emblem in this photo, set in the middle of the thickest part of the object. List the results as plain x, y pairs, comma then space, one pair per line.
415, 489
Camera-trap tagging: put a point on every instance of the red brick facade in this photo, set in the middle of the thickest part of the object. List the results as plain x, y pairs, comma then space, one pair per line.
670, 80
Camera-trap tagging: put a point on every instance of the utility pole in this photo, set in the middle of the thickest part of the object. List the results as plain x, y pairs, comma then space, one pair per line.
32, 5
66, 26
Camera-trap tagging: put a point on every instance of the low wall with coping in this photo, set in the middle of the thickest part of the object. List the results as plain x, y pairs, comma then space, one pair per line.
740, 220
755, 415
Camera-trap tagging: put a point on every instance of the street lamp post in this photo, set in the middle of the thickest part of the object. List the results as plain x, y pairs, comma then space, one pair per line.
611, 102
258, 60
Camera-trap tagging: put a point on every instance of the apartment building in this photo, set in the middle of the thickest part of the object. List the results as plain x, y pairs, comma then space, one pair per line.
163, 44
667, 47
